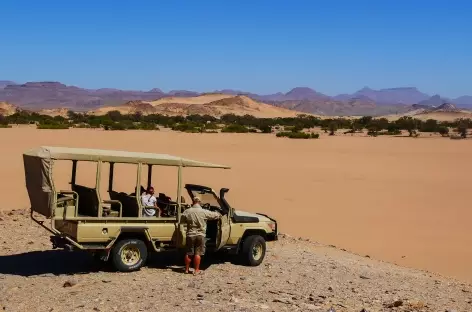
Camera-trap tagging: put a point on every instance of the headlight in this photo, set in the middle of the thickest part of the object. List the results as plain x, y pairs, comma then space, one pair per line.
272, 226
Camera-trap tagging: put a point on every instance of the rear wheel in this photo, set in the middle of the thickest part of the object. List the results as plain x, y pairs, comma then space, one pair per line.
253, 250
129, 255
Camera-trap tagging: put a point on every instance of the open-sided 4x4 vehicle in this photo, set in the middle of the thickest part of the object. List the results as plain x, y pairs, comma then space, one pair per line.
116, 229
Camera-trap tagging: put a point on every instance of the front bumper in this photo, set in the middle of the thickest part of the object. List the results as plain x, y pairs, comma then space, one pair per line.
275, 234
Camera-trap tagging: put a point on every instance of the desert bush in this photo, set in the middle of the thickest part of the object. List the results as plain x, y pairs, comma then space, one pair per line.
190, 127
443, 131
456, 137
211, 126
82, 125
235, 128
298, 135
5, 126
429, 125
116, 126
332, 127
265, 129
147, 126
52, 126
462, 129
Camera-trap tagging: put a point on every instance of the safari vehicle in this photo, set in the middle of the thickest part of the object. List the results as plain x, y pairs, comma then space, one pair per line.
115, 230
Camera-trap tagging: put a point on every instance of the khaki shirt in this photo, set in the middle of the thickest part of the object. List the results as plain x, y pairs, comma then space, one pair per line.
196, 218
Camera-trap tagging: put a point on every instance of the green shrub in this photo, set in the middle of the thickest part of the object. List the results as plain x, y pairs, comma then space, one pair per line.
462, 129
443, 131
82, 125
332, 128
265, 129
115, 126
147, 126
234, 128
211, 126
298, 135
189, 127
52, 126
5, 126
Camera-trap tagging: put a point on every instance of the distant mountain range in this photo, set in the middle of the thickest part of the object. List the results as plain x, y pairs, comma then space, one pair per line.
43, 95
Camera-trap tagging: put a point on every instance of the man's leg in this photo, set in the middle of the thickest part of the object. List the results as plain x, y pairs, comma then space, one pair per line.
199, 251
188, 260
190, 252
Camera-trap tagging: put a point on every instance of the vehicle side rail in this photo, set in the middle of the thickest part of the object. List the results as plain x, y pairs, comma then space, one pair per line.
76, 199
114, 201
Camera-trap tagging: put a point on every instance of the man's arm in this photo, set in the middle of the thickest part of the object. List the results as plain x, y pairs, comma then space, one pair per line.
212, 215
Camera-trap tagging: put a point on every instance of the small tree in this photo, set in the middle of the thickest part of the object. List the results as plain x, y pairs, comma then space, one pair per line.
265, 129
443, 131
332, 127
462, 129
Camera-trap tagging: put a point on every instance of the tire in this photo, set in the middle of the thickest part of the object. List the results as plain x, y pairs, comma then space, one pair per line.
129, 255
253, 250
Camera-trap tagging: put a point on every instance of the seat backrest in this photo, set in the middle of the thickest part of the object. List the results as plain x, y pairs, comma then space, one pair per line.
133, 205
129, 203
88, 200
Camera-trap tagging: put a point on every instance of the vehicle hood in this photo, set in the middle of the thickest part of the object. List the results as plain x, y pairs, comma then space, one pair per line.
249, 214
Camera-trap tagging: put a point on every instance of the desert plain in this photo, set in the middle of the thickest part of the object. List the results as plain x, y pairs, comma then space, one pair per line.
398, 199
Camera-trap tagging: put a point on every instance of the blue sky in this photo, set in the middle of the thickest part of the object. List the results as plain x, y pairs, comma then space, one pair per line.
258, 46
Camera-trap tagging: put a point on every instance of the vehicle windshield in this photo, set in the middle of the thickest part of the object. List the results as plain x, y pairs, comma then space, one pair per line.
207, 198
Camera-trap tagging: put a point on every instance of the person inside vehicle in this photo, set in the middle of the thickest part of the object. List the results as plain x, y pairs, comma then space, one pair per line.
196, 219
149, 203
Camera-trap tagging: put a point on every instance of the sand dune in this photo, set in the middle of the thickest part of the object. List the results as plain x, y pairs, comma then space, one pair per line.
398, 199
201, 99
211, 104
423, 114
7, 109
53, 112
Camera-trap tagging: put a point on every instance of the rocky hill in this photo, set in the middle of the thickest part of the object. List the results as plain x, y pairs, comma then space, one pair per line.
41, 95
296, 275
443, 112
366, 101
390, 96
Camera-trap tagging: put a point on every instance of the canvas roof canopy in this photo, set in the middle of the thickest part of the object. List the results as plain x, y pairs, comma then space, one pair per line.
86, 154
38, 163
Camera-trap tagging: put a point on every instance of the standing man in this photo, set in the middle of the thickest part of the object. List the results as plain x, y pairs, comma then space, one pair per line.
196, 218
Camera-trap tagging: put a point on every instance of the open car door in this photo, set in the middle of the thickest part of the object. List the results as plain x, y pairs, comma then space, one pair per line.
224, 226
224, 230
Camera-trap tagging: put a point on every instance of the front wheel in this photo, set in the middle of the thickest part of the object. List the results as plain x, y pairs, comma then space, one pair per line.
129, 255
253, 250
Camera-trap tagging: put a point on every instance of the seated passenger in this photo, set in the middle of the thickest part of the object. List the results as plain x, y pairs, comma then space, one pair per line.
149, 202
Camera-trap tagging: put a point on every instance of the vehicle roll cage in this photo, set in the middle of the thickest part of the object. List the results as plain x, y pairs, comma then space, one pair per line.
38, 165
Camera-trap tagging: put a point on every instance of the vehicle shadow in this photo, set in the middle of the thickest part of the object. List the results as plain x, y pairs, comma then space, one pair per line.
61, 262
55, 262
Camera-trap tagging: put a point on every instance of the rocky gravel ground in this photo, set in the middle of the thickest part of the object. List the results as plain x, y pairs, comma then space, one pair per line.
297, 275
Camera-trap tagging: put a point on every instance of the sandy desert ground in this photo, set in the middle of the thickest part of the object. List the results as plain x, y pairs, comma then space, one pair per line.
296, 275
402, 200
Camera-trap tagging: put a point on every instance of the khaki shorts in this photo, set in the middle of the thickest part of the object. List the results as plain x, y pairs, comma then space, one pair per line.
195, 245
